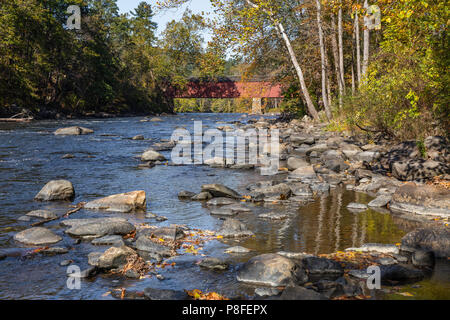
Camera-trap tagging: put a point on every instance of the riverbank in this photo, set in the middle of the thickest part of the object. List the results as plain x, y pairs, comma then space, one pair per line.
151, 240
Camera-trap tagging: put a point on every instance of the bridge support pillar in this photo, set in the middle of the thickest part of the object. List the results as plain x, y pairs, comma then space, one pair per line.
257, 106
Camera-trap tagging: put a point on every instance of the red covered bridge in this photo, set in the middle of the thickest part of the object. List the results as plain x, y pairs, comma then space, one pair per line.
230, 88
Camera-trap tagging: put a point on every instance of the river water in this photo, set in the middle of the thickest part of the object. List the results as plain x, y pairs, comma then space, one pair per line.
106, 163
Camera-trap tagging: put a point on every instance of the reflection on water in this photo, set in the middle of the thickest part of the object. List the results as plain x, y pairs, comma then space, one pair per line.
105, 163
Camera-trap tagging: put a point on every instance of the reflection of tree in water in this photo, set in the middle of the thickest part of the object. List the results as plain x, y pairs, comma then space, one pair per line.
338, 221
323, 208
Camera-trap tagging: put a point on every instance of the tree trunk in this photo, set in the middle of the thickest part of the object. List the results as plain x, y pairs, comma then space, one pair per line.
310, 105
323, 62
358, 48
334, 47
341, 48
366, 43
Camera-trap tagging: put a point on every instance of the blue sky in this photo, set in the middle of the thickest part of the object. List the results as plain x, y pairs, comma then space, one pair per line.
196, 6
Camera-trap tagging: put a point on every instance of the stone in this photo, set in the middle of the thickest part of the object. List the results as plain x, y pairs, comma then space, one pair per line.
232, 228
377, 247
100, 227
418, 169
224, 212
166, 233
152, 155
124, 202
43, 214
185, 195
357, 206
302, 190
322, 268
294, 163
37, 236
399, 274
434, 239
54, 251
138, 137
93, 258
164, 146
73, 131
165, 294
305, 172
422, 200
56, 190
115, 257
143, 243
112, 240
380, 201
423, 259
281, 191
220, 202
368, 156
336, 165
218, 190
202, 196
237, 250
269, 270
267, 292
214, 264
293, 292
68, 156
86, 273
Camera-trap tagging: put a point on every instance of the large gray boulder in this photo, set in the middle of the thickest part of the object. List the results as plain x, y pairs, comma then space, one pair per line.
143, 243
42, 214
124, 202
421, 199
268, 270
294, 163
73, 131
152, 155
96, 228
219, 190
434, 239
115, 257
232, 228
56, 190
37, 236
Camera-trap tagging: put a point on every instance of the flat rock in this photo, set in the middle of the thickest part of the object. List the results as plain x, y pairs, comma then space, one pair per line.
232, 228
380, 201
185, 195
376, 247
56, 190
220, 202
422, 200
114, 240
268, 269
434, 239
37, 236
237, 250
298, 293
73, 131
143, 243
214, 264
43, 214
124, 202
322, 268
294, 163
400, 274
101, 228
115, 257
152, 155
219, 190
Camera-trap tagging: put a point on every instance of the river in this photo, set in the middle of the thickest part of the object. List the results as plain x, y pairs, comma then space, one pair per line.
106, 163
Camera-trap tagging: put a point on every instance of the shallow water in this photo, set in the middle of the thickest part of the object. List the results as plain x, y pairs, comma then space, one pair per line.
105, 163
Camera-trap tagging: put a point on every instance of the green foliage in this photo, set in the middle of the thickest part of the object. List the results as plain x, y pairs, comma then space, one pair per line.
293, 103
405, 93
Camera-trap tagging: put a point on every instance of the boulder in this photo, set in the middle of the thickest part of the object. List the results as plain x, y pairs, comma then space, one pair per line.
115, 257
368, 156
422, 200
218, 190
43, 214
294, 163
232, 228
297, 293
143, 243
380, 201
423, 259
152, 155
73, 131
138, 137
302, 190
214, 264
434, 239
124, 202
113, 240
399, 274
220, 202
185, 195
322, 268
268, 270
377, 247
100, 228
237, 250
202, 196
280, 191
56, 190
37, 236
305, 173
418, 169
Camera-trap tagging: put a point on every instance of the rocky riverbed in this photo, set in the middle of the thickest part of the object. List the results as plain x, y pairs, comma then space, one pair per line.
106, 198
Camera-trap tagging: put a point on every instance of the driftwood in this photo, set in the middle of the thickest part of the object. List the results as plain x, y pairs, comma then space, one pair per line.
16, 120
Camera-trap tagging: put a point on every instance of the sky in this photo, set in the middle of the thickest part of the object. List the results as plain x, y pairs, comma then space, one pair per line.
162, 18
